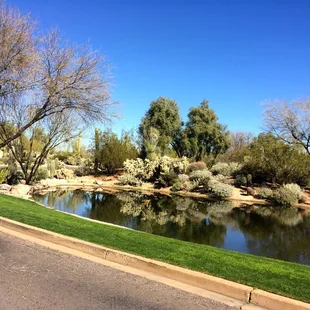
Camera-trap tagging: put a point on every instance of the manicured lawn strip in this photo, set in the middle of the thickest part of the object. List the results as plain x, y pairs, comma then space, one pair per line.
284, 278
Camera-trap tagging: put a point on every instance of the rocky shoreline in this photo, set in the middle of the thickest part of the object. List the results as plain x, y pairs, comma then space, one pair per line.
110, 185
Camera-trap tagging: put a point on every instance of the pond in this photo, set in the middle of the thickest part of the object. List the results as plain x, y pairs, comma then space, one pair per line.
259, 230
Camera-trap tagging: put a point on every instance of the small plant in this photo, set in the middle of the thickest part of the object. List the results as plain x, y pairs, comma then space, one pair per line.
198, 165
264, 193
3, 175
41, 174
183, 178
295, 189
284, 197
201, 176
219, 189
128, 179
65, 173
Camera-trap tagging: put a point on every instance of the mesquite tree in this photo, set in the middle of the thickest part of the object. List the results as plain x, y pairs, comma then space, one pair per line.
289, 121
32, 147
45, 76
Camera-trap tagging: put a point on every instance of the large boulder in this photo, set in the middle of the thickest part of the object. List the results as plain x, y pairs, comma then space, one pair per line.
5, 188
21, 190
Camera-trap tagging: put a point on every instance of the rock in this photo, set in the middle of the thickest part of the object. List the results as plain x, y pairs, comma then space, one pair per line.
5, 187
20, 190
98, 182
250, 191
22, 181
305, 199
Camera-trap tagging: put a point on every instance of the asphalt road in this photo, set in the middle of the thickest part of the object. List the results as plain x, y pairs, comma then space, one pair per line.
35, 277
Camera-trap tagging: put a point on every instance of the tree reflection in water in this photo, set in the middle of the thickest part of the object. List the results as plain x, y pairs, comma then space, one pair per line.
272, 232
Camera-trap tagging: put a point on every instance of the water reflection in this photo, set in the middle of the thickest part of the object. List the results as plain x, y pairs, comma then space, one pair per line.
265, 231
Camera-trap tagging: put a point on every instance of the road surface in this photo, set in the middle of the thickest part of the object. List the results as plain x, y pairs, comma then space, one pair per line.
35, 277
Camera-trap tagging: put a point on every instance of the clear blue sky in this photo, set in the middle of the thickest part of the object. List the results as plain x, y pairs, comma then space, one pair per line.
233, 53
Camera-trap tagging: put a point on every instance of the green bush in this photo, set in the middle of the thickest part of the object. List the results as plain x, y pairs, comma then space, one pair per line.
264, 193
219, 189
166, 179
128, 179
81, 171
198, 165
41, 174
226, 169
177, 186
284, 197
295, 189
3, 175
272, 160
241, 180
184, 186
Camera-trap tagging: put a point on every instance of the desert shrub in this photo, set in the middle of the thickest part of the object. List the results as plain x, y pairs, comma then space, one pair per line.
264, 193
295, 189
183, 177
65, 173
184, 186
241, 180
198, 165
166, 179
41, 174
219, 189
3, 175
81, 171
62, 155
177, 186
128, 179
201, 176
284, 197
226, 169
223, 179
272, 160
74, 160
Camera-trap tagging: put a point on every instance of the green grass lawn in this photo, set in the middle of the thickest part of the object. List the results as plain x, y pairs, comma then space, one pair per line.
285, 278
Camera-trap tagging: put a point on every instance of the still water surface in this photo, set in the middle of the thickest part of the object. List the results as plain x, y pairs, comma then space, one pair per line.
264, 231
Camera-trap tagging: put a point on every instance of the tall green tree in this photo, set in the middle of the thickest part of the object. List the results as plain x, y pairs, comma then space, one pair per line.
203, 135
110, 151
163, 120
271, 159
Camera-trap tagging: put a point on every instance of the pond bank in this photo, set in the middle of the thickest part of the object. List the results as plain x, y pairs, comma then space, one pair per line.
110, 184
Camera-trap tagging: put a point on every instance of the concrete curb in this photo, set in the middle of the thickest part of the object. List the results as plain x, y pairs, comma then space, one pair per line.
231, 289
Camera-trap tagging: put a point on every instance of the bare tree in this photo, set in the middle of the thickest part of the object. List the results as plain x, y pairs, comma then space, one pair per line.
289, 121
17, 52
48, 134
58, 77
